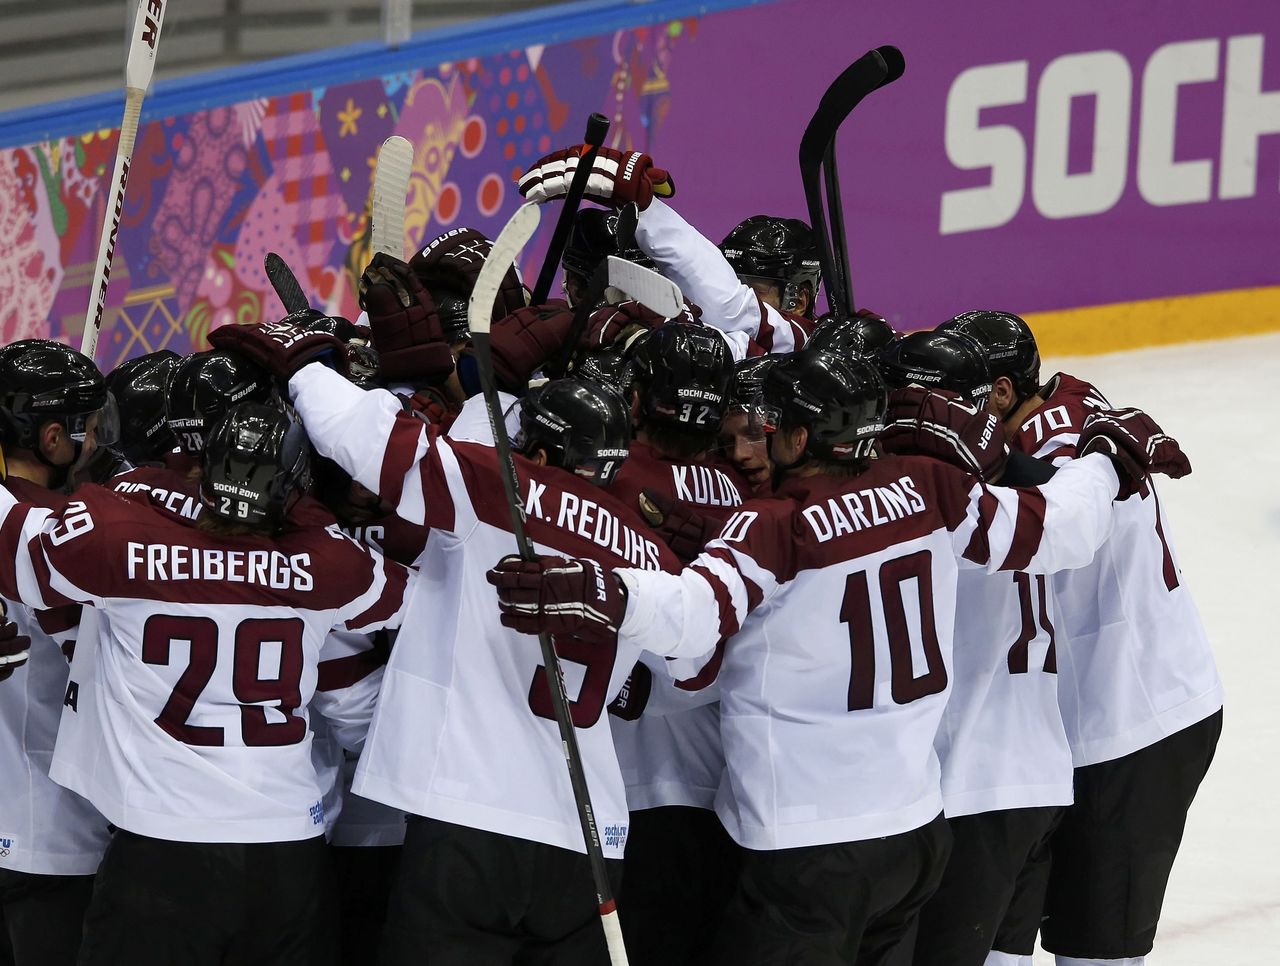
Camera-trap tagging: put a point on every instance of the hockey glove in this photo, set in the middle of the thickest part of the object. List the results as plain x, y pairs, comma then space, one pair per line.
526, 340
938, 423
1135, 443
631, 700
406, 329
452, 263
682, 528
624, 322
560, 596
617, 178
14, 648
280, 348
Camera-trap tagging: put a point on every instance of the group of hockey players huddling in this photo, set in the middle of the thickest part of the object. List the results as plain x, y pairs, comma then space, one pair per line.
876, 643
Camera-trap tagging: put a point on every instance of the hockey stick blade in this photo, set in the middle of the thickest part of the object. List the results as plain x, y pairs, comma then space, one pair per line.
137, 78
390, 188
285, 284
506, 249
655, 292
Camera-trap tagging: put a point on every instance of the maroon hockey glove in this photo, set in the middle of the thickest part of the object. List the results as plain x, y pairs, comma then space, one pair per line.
631, 700
560, 596
682, 528
452, 263
617, 177
13, 649
526, 340
406, 330
938, 423
623, 323
280, 348
1135, 443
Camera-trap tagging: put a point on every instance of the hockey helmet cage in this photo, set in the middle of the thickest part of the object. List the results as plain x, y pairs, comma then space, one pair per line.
204, 386
1008, 343
939, 359
584, 426
841, 401
256, 461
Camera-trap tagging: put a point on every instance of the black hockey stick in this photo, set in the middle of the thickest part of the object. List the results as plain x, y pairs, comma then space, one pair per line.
597, 129
873, 70
628, 218
285, 283
506, 248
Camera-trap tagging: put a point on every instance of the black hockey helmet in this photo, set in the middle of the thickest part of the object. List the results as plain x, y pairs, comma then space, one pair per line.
1007, 342
748, 379
585, 427
595, 238
204, 386
42, 381
309, 320
841, 401
140, 389
939, 359
256, 461
683, 372
780, 250
861, 336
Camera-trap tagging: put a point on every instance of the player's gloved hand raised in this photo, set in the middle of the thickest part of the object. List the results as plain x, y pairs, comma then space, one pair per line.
281, 348
938, 423
1135, 443
682, 527
617, 177
623, 322
406, 329
560, 595
526, 340
452, 263
14, 648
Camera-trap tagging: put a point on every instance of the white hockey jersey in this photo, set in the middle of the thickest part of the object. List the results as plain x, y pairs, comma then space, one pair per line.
44, 828
464, 731
1134, 661
837, 600
206, 659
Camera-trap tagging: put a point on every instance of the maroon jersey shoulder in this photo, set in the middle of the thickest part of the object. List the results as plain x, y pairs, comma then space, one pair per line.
1068, 401
563, 511
394, 536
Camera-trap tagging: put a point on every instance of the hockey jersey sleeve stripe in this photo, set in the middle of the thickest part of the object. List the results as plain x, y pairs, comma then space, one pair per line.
707, 676
749, 574
982, 513
386, 609
343, 672
58, 620
1027, 530
400, 455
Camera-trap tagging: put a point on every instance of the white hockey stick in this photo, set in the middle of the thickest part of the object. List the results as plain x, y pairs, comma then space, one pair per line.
506, 248
137, 78
655, 292
390, 188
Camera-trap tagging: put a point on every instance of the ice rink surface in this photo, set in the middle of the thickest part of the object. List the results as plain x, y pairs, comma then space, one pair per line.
1222, 401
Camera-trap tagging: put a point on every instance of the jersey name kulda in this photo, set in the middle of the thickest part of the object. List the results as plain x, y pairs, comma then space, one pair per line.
156, 562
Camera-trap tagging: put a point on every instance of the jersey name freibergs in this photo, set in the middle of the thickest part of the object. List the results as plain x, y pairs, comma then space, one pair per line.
837, 599
1134, 662
206, 659
44, 828
464, 730
672, 753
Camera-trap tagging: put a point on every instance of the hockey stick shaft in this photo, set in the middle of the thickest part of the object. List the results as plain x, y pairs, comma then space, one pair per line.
555, 677
138, 70
597, 130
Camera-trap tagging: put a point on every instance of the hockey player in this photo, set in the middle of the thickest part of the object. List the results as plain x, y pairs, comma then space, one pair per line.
209, 640
51, 839
1139, 690
680, 252
778, 259
839, 598
140, 390
463, 738
594, 239
1006, 765
863, 336
742, 431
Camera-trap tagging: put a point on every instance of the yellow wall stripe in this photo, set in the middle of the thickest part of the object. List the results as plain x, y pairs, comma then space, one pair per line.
1132, 325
